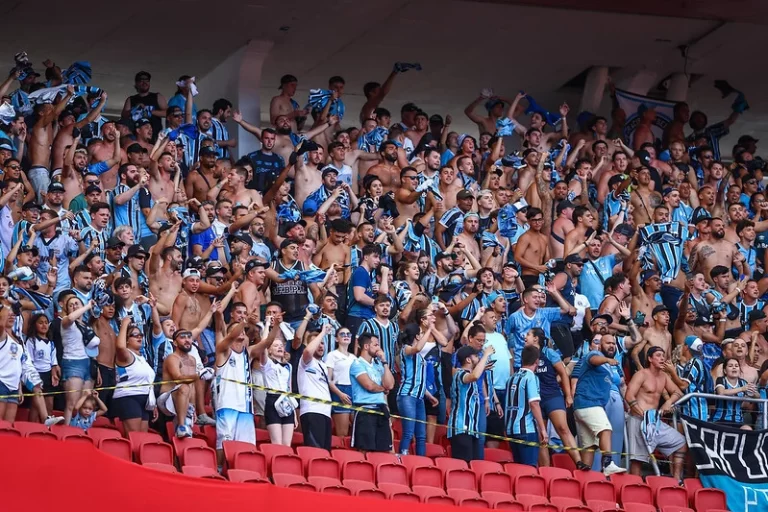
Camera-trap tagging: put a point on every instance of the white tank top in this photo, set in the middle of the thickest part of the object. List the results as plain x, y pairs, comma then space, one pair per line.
11, 355
231, 395
136, 379
276, 375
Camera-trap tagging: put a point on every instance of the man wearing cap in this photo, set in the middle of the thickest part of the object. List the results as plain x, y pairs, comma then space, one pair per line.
145, 104
645, 430
451, 223
143, 131
331, 189
205, 177
466, 406
495, 109
54, 199
290, 292
646, 286
695, 374
284, 105
31, 222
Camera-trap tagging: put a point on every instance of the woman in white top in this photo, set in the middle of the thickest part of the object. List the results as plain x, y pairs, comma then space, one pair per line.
75, 363
338, 363
134, 397
277, 376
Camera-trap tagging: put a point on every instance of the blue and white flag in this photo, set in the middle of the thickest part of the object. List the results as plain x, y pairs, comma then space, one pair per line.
732, 460
632, 103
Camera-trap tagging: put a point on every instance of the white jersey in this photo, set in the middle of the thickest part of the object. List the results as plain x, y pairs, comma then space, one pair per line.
12, 358
232, 395
277, 376
136, 379
345, 173
340, 364
42, 353
313, 382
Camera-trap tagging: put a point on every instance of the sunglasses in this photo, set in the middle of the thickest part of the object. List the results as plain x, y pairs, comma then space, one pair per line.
14, 167
410, 177
345, 334
93, 182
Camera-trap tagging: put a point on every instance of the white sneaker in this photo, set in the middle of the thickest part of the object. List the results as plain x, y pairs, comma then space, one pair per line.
53, 420
612, 469
204, 419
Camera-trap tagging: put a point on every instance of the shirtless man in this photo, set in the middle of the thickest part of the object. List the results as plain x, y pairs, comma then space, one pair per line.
407, 198
447, 187
335, 251
40, 141
420, 128
284, 105
656, 335
620, 164
337, 154
560, 229
532, 249
495, 108
162, 165
250, 292
76, 163
200, 181
645, 286
165, 263
353, 157
583, 220
240, 195
387, 171
644, 133
67, 124
643, 199
103, 150
718, 251
144, 133
284, 142
468, 237
675, 130
643, 396
308, 177
191, 305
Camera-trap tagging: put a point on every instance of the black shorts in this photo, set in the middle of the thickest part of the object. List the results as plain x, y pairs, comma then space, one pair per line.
47, 383
316, 429
131, 407
371, 432
432, 410
108, 380
270, 413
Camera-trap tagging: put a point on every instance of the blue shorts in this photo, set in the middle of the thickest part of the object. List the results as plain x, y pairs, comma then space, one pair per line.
76, 369
7, 395
525, 453
552, 404
346, 389
130, 407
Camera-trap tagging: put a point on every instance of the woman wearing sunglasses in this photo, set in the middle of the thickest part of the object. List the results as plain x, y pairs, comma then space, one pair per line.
134, 399
338, 363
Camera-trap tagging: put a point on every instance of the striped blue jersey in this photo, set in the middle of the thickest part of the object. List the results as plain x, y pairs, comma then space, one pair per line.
729, 410
387, 335
699, 380
664, 243
465, 406
413, 380
129, 213
219, 132
522, 389
89, 233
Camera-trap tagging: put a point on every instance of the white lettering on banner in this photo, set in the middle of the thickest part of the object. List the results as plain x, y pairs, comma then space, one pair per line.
759, 470
722, 446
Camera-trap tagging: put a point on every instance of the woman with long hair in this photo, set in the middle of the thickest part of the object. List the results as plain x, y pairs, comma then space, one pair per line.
134, 398
338, 362
729, 412
407, 289
75, 363
42, 353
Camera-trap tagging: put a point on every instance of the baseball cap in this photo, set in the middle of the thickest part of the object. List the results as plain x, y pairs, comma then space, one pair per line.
464, 194
605, 316
125, 122
694, 343
329, 169
240, 237
652, 351
6, 146
114, 242
30, 205
746, 139
66, 113
648, 274
574, 258
190, 272
142, 75
409, 107
493, 296
700, 214
287, 79
668, 190
141, 122
625, 229
28, 248
564, 205
174, 109
208, 150
287, 242
136, 148
252, 264
135, 250
659, 309
292, 224
212, 271
756, 314
55, 186
92, 188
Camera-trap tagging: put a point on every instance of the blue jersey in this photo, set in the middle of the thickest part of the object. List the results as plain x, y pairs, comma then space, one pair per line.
128, 213
594, 386
518, 325
387, 335
413, 380
611, 207
465, 406
360, 278
729, 410
594, 273
699, 380
375, 371
665, 243
522, 389
548, 386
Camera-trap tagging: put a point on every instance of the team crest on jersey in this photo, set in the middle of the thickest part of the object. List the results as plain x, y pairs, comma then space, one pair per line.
232, 362
40, 354
14, 348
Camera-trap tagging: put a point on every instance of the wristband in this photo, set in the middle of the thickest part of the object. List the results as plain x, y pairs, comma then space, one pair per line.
632, 403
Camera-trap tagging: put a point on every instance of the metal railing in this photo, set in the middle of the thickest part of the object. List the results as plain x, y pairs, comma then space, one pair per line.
711, 397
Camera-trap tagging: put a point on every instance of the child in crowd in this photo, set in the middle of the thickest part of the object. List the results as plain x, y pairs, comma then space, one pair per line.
86, 413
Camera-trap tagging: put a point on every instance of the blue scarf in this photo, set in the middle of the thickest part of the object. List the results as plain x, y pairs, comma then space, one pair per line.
78, 73
402, 67
318, 99
534, 107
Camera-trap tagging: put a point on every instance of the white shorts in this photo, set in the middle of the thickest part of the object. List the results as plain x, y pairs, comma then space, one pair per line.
232, 425
589, 423
165, 402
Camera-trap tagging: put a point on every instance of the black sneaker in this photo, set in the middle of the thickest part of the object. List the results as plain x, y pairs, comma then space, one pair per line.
582, 467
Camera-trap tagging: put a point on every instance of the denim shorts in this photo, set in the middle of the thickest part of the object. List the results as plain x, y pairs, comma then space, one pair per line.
346, 389
76, 369
11, 395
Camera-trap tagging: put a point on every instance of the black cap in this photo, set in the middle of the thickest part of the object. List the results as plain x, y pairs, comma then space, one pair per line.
564, 205
136, 148
288, 241
625, 229
172, 110
287, 79
114, 242
409, 107
141, 122
142, 75
55, 186
125, 122
135, 250
92, 188
756, 314
212, 271
329, 169
29, 248
746, 139
700, 214
605, 316
441, 255
464, 194
208, 150
436, 118
252, 264
66, 113
30, 205
240, 237
659, 309
574, 258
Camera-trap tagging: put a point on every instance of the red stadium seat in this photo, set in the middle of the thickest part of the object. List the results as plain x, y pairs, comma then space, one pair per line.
473, 503
358, 470
9, 431
323, 466
619, 480
519, 469
358, 485
500, 500
286, 464
675, 508
398, 492
563, 503
655, 482
77, 438
5, 424
101, 422
563, 461
262, 436
250, 461
329, 485
378, 458
232, 448
589, 476
117, 447
446, 463
528, 500
270, 450
638, 507
425, 492
498, 455
319, 481
635, 493
336, 442
62, 430
460, 479
139, 438
42, 434
691, 486
709, 499
201, 456
565, 487
310, 452
598, 490
297, 439
97, 434
462, 494
167, 468
600, 506
245, 476
671, 496
285, 480
155, 452
25, 427
180, 445
542, 507
391, 474
496, 482
548, 473
415, 461
435, 450
343, 455
525, 481
440, 500
485, 466
428, 476
576, 508
201, 472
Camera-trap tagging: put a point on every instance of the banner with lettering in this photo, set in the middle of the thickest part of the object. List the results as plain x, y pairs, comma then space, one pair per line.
732, 460
630, 103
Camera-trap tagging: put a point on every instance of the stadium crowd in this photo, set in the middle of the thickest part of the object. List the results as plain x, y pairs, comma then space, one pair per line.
558, 292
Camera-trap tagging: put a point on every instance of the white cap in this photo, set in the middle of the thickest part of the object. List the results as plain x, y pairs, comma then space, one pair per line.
191, 272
